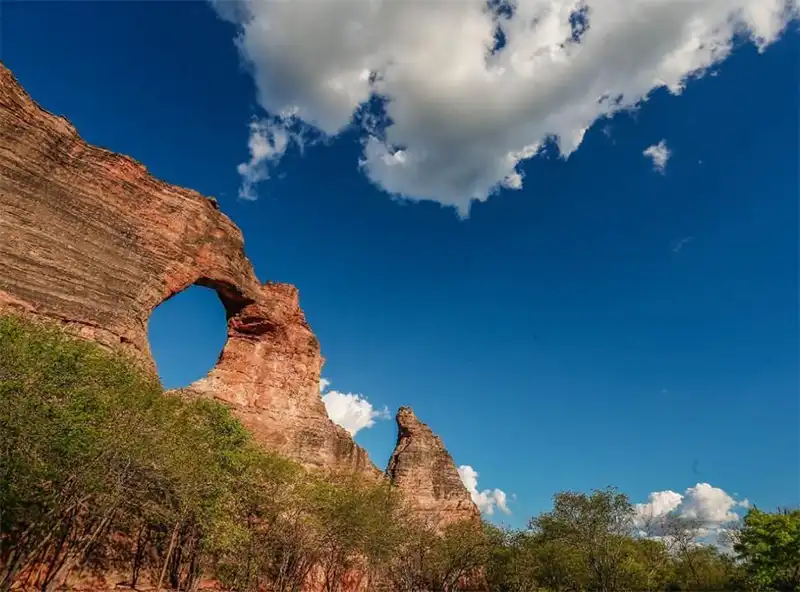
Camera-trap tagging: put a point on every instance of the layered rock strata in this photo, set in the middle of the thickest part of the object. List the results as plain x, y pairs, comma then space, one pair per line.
422, 467
89, 239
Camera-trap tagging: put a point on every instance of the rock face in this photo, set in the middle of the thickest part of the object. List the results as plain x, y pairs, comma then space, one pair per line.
269, 371
90, 240
421, 467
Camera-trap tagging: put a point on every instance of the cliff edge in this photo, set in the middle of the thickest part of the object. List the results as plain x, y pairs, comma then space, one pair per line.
91, 241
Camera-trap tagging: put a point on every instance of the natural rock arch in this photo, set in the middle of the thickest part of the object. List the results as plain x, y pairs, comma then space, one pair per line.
90, 240
186, 334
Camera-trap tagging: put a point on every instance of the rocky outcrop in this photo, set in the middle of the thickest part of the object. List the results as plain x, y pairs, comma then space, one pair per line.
89, 239
269, 371
423, 469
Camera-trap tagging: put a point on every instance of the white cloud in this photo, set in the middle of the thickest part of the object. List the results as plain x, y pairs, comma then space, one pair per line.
658, 505
710, 508
267, 144
453, 111
677, 247
351, 411
486, 500
659, 154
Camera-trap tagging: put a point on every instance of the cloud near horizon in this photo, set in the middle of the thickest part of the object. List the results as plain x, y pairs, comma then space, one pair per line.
486, 500
711, 508
450, 97
351, 411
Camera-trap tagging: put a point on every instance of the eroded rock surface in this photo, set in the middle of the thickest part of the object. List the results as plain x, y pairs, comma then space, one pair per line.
269, 371
89, 239
423, 469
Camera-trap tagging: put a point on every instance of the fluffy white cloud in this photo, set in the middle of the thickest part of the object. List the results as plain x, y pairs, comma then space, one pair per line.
658, 505
659, 154
710, 508
351, 411
267, 144
452, 95
486, 500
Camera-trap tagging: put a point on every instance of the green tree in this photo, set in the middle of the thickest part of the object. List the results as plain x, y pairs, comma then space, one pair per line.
702, 568
501, 558
68, 469
591, 531
650, 566
101, 471
447, 560
356, 519
559, 564
768, 545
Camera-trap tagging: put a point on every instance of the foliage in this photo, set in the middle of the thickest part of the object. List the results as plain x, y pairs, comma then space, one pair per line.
100, 472
357, 524
591, 534
587, 543
448, 559
769, 546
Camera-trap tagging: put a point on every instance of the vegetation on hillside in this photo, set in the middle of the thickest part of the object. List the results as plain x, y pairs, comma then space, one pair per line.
100, 473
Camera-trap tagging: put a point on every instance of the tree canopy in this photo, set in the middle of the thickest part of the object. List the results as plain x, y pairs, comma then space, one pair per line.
101, 474
769, 546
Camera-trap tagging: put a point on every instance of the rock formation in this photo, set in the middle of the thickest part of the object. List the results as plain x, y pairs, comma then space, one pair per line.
421, 467
269, 372
89, 239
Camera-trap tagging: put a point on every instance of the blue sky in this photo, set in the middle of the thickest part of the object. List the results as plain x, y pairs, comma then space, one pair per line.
604, 324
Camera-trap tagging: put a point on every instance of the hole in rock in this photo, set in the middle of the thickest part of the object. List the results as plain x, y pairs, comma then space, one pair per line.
187, 334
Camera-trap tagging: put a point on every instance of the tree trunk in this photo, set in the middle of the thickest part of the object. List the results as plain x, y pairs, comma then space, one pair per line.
172, 541
138, 555
71, 560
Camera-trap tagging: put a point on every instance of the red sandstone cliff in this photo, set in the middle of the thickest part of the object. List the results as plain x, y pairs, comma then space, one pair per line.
423, 469
90, 240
